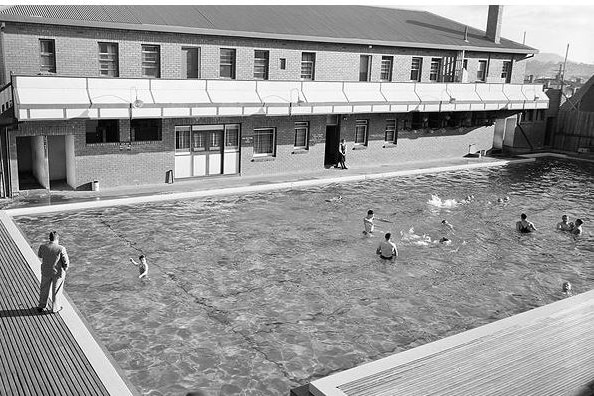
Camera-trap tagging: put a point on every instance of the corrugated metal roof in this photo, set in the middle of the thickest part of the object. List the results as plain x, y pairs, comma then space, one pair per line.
335, 23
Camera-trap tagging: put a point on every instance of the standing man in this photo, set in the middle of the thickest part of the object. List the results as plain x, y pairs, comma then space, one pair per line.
387, 249
54, 262
342, 148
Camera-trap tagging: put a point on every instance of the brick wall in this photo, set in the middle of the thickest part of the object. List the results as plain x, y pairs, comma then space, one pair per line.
77, 54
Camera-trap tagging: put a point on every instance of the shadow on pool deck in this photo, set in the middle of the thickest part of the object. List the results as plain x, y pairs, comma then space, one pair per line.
41, 197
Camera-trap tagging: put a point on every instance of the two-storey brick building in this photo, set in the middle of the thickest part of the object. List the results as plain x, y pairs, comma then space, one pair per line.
136, 94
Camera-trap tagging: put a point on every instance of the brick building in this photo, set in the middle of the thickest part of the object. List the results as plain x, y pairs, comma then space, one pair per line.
128, 95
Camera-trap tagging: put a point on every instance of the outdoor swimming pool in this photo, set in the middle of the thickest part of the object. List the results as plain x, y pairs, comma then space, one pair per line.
259, 293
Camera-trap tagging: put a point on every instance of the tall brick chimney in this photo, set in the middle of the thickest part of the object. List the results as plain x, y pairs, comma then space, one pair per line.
494, 23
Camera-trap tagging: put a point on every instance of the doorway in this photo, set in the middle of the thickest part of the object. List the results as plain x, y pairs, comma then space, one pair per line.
32, 163
332, 142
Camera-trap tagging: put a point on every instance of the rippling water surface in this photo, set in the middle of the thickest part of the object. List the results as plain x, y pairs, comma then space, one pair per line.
259, 293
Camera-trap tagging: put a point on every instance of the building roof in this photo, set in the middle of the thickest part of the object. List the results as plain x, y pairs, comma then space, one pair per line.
346, 24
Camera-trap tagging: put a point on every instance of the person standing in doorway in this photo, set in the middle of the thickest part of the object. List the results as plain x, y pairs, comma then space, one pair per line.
342, 148
54, 263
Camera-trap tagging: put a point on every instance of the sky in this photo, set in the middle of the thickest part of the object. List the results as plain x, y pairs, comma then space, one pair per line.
549, 26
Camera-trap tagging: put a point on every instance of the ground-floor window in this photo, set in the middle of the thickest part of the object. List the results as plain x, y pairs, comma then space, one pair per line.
232, 137
264, 141
361, 132
301, 135
102, 131
182, 138
146, 130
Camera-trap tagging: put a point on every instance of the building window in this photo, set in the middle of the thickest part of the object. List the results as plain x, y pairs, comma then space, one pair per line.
227, 67
506, 71
481, 72
264, 141
391, 132
108, 60
386, 68
301, 135
416, 68
261, 65
365, 68
435, 72
146, 130
151, 61
190, 62
182, 138
48, 55
283, 63
540, 115
308, 65
102, 131
232, 137
361, 132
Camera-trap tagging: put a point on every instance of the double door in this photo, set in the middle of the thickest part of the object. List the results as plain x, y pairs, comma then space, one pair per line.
206, 150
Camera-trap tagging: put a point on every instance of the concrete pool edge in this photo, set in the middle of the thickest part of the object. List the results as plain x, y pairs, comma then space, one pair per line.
200, 193
106, 368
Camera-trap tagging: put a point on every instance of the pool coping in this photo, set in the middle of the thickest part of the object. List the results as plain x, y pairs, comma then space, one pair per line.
200, 193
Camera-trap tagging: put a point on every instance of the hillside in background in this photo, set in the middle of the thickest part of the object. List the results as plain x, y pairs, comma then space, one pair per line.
547, 65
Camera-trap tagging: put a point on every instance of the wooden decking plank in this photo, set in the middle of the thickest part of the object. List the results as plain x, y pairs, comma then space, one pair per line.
75, 380
69, 340
9, 378
24, 345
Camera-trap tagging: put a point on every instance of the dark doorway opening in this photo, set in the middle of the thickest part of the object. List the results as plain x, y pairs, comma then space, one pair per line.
332, 142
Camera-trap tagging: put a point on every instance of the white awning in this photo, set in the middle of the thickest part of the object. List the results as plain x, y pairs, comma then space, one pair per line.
535, 96
492, 96
44, 98
401, 96
464, 97
515, 96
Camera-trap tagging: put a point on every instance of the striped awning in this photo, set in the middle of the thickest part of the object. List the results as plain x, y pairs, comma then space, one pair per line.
46, 98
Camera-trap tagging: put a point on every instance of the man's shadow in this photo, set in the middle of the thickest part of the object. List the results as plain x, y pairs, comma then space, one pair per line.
11, 313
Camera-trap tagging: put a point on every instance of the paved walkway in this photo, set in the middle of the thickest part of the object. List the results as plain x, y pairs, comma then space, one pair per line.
45, 354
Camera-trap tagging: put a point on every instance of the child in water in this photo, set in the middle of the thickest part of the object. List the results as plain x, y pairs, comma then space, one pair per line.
142, 266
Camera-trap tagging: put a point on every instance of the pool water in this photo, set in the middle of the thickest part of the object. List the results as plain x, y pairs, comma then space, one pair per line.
256, 294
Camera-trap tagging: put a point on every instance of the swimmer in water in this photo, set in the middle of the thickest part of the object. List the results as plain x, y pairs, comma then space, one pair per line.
368, 223
387, 249
577, 227
524, 226
445, 241
142, 266
335, 199
445, 223
563, 225
566, 288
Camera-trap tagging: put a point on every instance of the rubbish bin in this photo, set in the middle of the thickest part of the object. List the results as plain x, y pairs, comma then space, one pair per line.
95, 185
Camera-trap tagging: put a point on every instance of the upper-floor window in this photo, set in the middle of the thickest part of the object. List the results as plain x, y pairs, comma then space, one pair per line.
264, 141
506, 71
261, 65
145, 130
416, 68
282, 63
386, 68
227, 67
190, 62
481, 72
365, 68
361, 132
47, 50
301, 134
308, 65
391, 135
108, 59
151, 61
435, 71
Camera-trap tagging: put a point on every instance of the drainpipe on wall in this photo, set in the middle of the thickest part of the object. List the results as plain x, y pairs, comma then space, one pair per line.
3, 55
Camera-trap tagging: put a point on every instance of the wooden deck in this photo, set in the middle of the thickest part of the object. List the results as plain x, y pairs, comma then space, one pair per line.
44, 354
545, 351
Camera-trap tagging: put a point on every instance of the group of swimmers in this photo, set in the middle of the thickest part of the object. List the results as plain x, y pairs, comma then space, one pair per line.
524, 226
